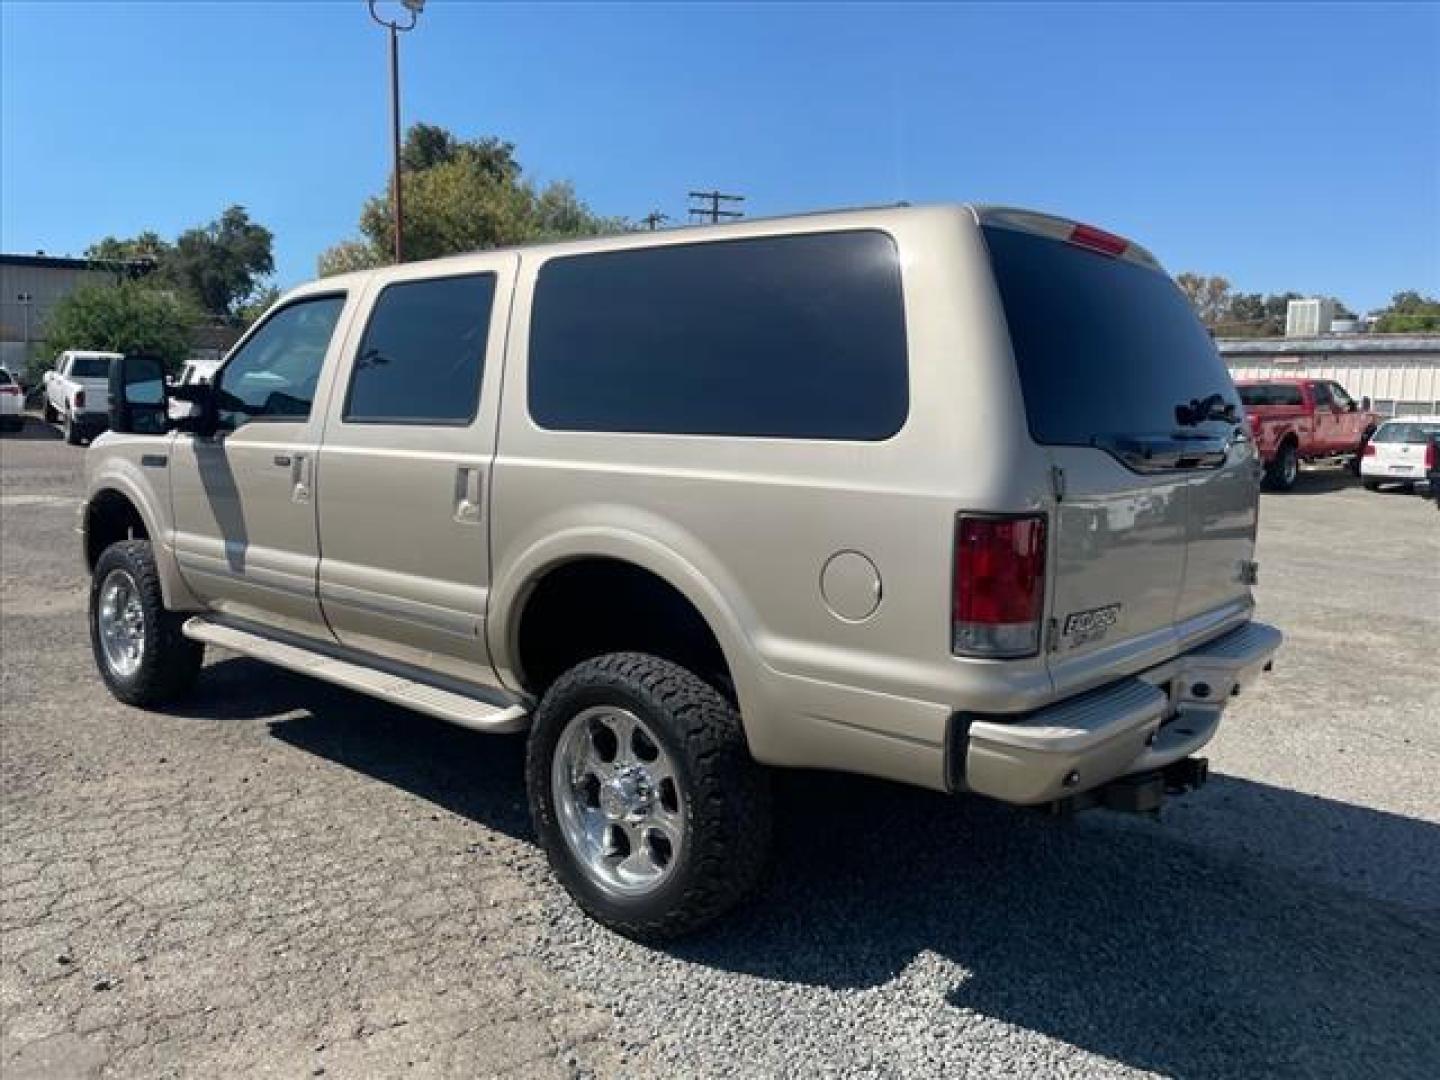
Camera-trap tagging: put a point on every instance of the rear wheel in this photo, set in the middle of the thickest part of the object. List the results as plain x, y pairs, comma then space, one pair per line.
1282, 473
49, 413
644, 795
72, 430
141, 653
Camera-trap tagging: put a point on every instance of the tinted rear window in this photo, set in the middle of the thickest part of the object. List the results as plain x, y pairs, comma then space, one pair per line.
90, 367
1405, 433
5, 379
1105, 347
1271, 394
786, 337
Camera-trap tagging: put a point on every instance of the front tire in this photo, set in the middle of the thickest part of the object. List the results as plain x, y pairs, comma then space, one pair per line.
72, 430
141, 653
644, 795
1371, 485
48, 412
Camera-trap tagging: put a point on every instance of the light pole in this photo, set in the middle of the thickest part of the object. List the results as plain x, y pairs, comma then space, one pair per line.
396, 28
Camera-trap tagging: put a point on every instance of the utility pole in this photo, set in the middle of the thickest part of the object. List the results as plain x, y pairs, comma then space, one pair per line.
712, 213
654, 219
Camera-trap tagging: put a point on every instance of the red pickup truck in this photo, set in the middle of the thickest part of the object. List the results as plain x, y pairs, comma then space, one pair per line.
1295, 420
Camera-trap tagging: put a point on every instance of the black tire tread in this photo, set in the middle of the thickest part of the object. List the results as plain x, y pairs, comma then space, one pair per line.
172, 661
729, 794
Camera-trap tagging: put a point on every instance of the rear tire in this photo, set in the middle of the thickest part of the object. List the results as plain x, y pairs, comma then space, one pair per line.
588, 797
72, 431
48, 412
1281, 474
142, 655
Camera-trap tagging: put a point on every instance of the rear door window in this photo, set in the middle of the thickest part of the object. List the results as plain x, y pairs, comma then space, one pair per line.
423, 354
1105, 347
794, 337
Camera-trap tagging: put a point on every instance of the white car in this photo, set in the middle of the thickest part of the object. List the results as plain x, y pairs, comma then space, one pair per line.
77, 393
12, 402
1400, 452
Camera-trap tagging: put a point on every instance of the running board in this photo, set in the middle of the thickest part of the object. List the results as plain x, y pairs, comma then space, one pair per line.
468, 712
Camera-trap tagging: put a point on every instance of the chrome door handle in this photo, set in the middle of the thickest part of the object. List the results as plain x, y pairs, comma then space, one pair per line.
282, 460
299, 476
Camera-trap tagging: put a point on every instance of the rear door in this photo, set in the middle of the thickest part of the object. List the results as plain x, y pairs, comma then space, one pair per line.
1157, 482
405, 470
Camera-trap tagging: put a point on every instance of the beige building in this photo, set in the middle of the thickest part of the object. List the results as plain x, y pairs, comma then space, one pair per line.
1399, 373
30, 285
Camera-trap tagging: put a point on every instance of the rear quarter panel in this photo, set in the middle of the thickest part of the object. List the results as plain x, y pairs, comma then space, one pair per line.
744, 526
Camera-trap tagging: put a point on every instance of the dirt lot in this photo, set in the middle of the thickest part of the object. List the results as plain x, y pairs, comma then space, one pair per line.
286, 879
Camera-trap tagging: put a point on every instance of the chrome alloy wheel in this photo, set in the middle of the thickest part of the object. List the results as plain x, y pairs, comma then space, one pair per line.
121, 620
617, 800
1291, 467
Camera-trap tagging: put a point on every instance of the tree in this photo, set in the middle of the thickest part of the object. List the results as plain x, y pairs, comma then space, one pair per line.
1209, 296
257, 305
131, 317
222, 264
1409, 312
463, 196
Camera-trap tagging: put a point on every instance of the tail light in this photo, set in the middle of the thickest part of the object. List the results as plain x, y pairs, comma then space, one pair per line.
79, 399
1430, 456
1369, 450
9, 388
999, 590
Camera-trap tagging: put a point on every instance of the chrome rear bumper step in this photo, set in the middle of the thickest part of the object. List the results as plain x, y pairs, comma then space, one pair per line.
467, 712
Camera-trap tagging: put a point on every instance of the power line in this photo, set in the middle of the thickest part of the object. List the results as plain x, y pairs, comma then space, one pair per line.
654, 220
712, 212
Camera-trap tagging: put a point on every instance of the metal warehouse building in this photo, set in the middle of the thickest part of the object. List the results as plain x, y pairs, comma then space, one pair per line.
1399, 373
30, 285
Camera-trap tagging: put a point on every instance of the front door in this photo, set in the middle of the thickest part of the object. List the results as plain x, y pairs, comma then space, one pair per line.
405, 470
245, 532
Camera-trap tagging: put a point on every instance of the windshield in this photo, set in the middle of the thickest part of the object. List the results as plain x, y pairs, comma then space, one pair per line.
1410, 432
1271, 394
1105, 347
90, 367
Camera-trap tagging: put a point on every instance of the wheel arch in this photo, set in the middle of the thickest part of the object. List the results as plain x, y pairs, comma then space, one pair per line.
703, 590
115, 488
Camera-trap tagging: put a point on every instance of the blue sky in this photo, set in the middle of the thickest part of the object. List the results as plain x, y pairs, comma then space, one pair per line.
1287, 147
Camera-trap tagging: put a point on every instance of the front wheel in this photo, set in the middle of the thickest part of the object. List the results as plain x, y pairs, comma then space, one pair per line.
644, 795
72, 430
141, 653
48, 412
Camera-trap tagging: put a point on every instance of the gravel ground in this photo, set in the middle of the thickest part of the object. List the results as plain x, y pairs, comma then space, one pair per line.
286, 879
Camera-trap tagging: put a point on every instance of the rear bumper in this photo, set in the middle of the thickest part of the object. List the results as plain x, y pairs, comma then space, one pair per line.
1140, 723
1413, 471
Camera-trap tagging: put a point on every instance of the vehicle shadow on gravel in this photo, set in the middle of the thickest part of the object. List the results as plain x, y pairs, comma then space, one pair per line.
1253, 931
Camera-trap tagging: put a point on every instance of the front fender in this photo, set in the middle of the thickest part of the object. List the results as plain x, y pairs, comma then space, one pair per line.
114, 463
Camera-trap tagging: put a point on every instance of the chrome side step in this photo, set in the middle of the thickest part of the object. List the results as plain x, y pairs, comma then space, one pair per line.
468, 712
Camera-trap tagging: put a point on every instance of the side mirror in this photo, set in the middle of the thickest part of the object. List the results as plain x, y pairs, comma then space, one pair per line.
1365, 403
139, 399
198, 417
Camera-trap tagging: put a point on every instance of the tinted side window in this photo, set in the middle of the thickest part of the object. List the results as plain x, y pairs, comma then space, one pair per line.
1341, 397
1322, 395
423, 354
275, 373
784, 337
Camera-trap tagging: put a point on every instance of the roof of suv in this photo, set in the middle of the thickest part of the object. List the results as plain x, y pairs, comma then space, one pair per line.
1059, 228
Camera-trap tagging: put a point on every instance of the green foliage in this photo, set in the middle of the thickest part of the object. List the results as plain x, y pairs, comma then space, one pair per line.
257, 305
220, 266
1232, 314
463, 196
1410, 313
131, 317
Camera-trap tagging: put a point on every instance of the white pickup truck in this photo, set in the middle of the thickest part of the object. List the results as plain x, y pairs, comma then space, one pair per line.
77, 393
